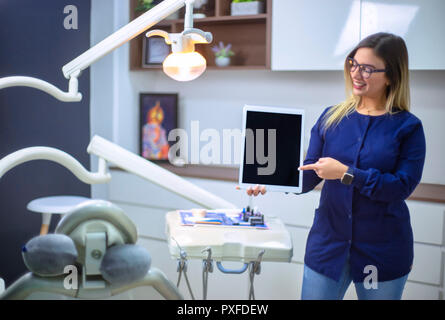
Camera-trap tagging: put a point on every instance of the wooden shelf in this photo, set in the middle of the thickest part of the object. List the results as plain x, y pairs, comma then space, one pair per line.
250, 36
251, 67
220, 19
424, 191
212, 67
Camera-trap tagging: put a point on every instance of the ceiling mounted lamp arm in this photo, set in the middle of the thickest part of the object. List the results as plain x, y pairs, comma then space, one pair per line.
130, 162
73, 95
123, 35
107, 151
64, 159
73, 69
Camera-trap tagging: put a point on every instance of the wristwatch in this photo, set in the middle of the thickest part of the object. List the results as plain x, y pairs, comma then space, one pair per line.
347, 177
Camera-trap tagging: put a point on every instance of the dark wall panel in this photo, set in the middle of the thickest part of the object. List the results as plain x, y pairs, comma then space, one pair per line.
34, 42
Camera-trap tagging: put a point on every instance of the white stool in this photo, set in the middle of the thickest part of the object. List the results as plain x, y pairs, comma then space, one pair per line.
53, 205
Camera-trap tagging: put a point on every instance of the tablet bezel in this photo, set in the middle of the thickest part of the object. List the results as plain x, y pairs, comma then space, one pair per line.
269, 109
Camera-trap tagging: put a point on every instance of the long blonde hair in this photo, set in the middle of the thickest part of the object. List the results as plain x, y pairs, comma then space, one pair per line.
392, 49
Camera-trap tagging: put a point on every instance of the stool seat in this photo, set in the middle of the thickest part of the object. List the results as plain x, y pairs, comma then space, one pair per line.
48, 206
55, 204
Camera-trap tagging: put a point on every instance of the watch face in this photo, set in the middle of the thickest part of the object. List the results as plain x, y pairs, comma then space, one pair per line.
347, 178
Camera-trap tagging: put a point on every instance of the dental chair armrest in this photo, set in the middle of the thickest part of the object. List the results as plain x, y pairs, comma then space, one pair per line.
155, 278
30, 283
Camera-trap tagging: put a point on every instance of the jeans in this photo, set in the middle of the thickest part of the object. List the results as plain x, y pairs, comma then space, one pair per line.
319, 287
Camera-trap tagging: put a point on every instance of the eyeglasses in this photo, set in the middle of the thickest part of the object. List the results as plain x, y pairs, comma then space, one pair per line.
365, 70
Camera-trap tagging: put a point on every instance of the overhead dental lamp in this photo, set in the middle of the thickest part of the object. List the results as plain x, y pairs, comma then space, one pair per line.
183, 64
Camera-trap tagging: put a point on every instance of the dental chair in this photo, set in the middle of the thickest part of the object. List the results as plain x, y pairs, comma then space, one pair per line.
95, 241
91, 255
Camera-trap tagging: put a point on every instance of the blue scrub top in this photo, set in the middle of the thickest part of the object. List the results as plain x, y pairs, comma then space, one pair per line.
367, 221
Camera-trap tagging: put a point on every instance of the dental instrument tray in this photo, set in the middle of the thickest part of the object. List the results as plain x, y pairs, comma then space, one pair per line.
228, 241
221, 218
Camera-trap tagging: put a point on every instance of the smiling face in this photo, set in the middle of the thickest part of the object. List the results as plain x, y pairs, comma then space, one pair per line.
375, 86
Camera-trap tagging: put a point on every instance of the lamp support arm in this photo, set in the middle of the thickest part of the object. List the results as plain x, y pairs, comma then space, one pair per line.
147, 170
123, 35
73, 69
109, 152
73, 94
45, 153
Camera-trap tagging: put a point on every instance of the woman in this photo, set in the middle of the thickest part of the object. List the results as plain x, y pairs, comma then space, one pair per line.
370, 150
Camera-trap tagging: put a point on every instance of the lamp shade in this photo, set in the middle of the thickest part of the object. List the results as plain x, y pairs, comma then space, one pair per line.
184, 66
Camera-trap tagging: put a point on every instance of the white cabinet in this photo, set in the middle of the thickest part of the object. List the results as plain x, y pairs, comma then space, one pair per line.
313, 35
419, 22
318, 34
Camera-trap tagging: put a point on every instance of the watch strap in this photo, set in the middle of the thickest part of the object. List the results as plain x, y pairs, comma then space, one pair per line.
348, 176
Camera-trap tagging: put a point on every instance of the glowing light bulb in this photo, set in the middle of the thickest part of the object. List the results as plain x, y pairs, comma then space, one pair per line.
184, 66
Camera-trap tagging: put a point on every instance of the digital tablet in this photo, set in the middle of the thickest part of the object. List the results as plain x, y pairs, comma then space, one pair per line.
272, 148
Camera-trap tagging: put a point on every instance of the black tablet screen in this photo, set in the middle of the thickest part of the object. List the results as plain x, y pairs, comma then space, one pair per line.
272, 148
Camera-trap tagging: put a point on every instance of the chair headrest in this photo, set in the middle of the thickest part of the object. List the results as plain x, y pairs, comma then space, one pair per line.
48, 255
98, 210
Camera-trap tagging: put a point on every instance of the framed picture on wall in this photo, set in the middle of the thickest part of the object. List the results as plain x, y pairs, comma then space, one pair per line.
155, 50
158, 115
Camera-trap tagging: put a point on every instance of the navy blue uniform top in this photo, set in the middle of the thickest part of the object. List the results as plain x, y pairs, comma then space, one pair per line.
367, 220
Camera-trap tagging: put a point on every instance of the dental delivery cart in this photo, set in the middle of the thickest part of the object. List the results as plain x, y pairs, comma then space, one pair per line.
226, 235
